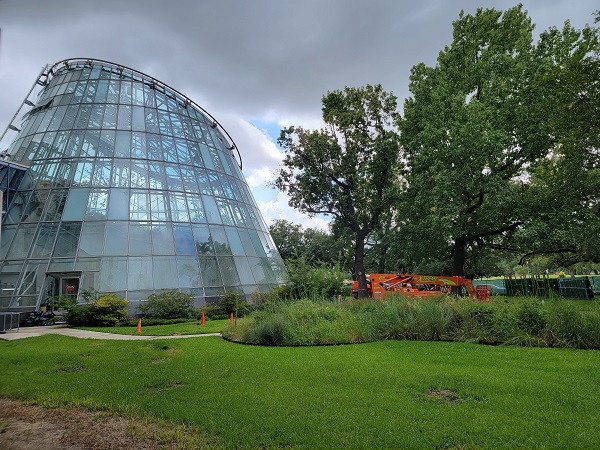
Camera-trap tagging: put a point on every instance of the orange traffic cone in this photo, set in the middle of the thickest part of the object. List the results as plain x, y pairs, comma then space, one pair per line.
203, 320
139, 327
231, 318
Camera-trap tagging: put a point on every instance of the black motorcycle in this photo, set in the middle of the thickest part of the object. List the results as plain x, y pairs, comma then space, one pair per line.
38, 317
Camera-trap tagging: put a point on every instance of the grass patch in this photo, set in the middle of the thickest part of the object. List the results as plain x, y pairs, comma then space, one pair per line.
175, 329
392, 394
517, 321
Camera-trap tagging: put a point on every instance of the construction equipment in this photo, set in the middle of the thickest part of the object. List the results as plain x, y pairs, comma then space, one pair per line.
380, 285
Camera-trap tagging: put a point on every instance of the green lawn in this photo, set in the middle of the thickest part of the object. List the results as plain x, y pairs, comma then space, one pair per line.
212, 326
352, 396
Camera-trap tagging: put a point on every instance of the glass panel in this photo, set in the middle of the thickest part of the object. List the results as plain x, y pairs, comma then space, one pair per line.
125, 92
138, 119
234, 241
74, 144
228, 272
113, 91
202, 240
159, 205
176, 124
139, 174
97, 204
226, 185
116, 238
209, 268
169, 152
9, 275
182, 151
76, 203
165, 272
83, 172
154, 147
195, 208
138, 94
118, 205
260, 251
90, 92
164, 123
140, 242
96, 117
138, 145
88, 265
55, 205
202, 178
68, 236
149, 96
110, 117
226, 215
57, 118
151, 120
189, 272
174, 181
121, 172
210, 208
162, 239
113, 275
188, 175
179, 212
213, 177
140, 205
124, 117
101, 92
247, 243
184, 240
156, 175
83, 116
258, 270
44, 240
220, 241
92, 239
139, 274
123, 144
8, 232
90, 143
107, 143
102, 173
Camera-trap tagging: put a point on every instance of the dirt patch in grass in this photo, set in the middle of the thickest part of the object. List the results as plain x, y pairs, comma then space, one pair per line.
445, 395
30, 427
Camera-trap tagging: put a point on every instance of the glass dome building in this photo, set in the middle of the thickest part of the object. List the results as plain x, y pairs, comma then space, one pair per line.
126, 186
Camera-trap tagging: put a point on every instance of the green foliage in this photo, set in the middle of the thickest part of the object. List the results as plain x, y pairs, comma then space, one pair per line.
106, 311
168, 305
231, 302
305, 281
348, 169
520, 321
60, 302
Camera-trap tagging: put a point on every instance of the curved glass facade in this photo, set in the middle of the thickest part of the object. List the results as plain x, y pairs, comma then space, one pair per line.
132, 189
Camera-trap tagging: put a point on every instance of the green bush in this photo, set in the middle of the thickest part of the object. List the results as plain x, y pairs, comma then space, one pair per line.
168, 305
516, 321
315, 283
231, 302
107, 310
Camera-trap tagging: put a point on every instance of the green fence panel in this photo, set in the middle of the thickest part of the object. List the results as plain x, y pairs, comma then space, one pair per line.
578, 288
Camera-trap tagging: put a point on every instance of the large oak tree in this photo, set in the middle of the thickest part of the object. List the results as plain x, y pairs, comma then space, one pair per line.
347, 169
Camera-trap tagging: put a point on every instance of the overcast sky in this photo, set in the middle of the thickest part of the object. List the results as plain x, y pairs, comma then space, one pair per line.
255, 65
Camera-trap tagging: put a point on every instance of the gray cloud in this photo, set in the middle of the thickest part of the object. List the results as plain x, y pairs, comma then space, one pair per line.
260, 59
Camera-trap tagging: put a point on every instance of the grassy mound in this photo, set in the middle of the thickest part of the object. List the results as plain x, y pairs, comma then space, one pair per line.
517, 321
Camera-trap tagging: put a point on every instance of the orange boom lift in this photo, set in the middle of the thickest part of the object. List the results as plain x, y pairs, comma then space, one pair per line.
380, 285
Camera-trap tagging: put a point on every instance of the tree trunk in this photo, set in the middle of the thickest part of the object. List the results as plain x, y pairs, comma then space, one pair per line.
458, 262
359, 266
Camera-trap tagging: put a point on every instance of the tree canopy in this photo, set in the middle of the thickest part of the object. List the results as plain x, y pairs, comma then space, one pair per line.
348, 169
478, 124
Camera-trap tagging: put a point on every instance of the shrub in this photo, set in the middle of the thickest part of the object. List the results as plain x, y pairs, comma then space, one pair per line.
107, 310
168, 305
314, 283
231, 302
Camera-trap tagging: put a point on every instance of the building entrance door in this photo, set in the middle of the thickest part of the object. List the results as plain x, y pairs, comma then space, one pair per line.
69, 287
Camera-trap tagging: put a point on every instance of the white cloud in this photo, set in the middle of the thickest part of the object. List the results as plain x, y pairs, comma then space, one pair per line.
280, 209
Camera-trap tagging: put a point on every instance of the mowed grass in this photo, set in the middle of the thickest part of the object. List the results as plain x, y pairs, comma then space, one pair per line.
372, 395
175, 329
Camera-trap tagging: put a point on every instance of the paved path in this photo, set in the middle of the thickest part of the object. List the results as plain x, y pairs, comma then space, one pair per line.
26, 332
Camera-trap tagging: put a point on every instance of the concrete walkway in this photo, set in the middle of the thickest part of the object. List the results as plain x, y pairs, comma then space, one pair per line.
26, 332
